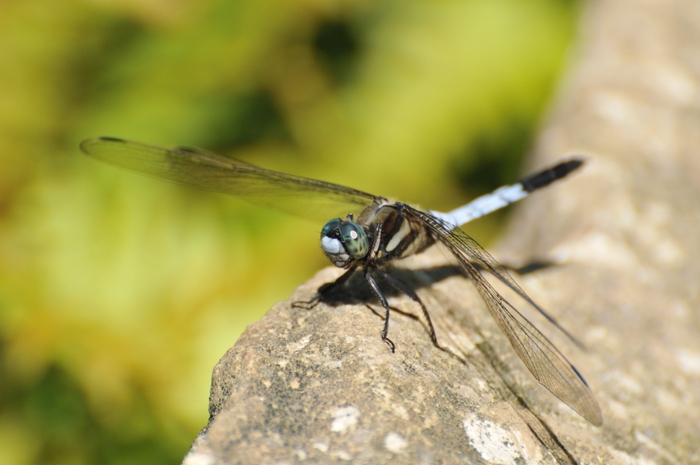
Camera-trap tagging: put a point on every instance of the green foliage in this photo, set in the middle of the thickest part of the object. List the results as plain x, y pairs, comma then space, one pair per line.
63, 429
119, 293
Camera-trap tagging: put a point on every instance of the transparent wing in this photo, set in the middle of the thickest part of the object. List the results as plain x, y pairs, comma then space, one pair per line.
540, 356
200, 169
477, 254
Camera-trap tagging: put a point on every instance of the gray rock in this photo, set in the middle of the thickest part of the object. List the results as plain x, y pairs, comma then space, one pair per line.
320, 386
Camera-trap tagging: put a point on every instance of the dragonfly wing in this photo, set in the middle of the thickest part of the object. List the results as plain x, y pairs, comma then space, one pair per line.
201, 169
477, 254
540, 356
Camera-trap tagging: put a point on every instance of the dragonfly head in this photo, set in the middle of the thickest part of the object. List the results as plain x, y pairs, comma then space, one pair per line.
344, 241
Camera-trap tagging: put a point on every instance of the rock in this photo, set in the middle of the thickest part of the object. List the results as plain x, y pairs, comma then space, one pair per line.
320, 386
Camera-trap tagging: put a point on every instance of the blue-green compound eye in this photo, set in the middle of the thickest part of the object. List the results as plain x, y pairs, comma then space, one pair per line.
330, 226
354, 239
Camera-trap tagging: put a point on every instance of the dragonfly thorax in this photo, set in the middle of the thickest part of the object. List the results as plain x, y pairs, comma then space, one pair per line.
344, 241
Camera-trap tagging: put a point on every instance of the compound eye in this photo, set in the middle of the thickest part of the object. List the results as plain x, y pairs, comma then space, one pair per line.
329, 227
354, 239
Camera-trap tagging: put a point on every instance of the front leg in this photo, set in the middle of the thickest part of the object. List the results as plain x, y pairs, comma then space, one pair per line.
385, 304
323, 291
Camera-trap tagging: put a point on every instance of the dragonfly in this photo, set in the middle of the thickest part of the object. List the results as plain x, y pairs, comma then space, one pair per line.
368, 232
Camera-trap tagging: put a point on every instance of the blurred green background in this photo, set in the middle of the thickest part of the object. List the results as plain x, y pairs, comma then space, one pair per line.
119, 293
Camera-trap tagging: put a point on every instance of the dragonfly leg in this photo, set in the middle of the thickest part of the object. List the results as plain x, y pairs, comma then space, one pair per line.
307, 304
402, 287
385, 304
323, 291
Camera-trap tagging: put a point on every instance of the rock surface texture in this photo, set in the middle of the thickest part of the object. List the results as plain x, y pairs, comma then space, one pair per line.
320, 386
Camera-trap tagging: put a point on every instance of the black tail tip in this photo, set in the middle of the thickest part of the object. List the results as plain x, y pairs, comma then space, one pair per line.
569, 166
549, 175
